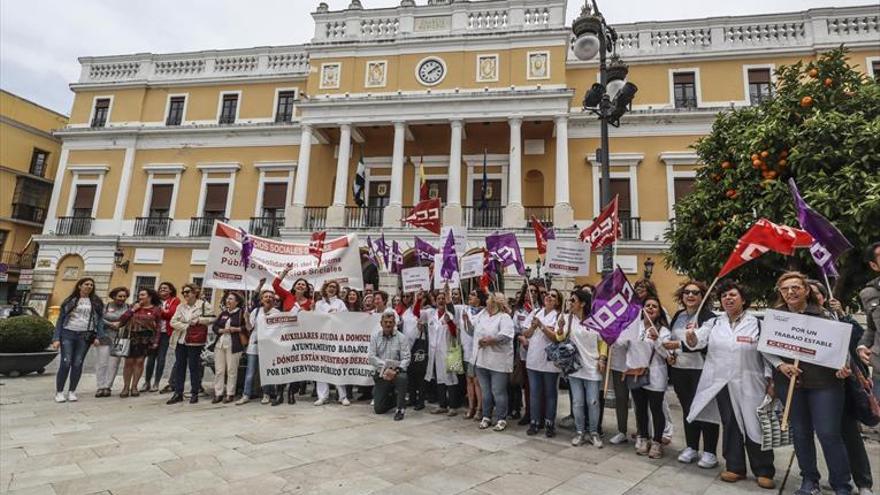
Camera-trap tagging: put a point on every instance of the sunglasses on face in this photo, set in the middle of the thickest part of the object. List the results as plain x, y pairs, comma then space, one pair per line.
791, 288
186, 291
692, 292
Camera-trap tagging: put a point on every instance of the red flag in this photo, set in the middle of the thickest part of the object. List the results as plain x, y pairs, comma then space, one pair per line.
540, 235
605, 229
316, 245
762, 237
487, 277
426, 215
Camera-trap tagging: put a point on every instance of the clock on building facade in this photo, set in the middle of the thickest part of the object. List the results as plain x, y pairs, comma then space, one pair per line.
431, 71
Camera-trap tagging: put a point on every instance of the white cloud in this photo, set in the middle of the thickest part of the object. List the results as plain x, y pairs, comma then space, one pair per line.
40, 40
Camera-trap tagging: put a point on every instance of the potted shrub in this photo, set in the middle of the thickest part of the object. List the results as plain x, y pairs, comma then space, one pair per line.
24, 343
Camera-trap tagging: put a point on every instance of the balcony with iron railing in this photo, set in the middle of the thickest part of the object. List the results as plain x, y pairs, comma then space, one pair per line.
74, 226
544, 214
489, 217
203, 226
357, 217
152, 226
266, 226
314, 217
28, 213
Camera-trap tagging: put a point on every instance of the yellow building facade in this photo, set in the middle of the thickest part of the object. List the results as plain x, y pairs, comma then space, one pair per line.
29, 156
160, 146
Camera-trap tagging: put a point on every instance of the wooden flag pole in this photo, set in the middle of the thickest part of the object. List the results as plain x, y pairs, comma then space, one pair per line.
706, 295
607, 374
791, 382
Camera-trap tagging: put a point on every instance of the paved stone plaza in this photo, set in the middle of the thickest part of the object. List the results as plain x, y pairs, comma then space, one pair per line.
140, 445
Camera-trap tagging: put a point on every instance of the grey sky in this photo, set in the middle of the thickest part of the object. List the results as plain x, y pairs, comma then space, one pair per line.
40, 40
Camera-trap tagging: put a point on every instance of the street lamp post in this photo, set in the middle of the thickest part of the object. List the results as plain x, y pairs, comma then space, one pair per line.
610, 98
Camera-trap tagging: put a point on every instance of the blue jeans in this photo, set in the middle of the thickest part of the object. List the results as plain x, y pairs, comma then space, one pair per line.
543, 389
73, 353
585, 399
816, 412
157, 363
253, 366
493, 385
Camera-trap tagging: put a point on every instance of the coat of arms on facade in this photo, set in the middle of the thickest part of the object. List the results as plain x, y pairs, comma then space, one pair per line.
330, 75
539, 65
376, 72
487, 68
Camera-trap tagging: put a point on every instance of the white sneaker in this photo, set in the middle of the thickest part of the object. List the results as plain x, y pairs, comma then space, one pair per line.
71, 396
578, 439
501, 425
596, 440
320, 402
618, 439
707, 461
865, 491
265, 399
244, 400
485, 423
60, 397
346, 402
688, 455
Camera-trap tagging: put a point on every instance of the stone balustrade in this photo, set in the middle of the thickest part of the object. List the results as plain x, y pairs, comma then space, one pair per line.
810, 29
207, 65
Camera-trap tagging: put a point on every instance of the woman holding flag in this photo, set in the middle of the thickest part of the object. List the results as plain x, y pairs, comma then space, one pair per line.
646, 373
519, 383
818, 397
441, 331
543, 374
733, 384
300, 299
586, 381
469, 315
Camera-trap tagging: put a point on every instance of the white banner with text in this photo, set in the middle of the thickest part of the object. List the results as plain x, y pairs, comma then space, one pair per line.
808, 338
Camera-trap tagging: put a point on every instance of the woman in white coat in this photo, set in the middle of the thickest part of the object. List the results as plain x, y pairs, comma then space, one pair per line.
493, 357
733, 384
330, 303
442, 330
642, 341
467, 315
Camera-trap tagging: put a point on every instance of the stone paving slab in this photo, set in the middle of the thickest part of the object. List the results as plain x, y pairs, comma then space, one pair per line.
141, 446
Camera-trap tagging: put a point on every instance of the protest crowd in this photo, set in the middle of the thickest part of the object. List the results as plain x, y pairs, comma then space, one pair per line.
474, 353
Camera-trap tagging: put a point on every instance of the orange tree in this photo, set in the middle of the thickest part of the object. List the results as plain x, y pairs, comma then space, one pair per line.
821, 127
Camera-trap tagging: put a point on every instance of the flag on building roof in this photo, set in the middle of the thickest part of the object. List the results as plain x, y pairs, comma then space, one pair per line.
426, 215
360, 182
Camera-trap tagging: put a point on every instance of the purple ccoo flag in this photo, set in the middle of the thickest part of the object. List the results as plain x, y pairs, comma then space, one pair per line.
828, 242
425, 251
396, 258
371, 255
247, 247
504, 249
382, 249
615, 306
450, 260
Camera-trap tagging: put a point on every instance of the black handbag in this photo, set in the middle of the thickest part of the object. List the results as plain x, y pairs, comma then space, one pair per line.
859, 398
418, 364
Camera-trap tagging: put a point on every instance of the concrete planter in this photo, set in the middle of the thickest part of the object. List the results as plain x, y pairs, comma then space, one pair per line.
18, 364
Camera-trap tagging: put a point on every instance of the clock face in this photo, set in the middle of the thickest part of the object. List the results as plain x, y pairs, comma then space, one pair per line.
431, 71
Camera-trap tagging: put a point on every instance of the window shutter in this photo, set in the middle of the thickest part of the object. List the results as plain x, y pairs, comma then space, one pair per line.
215, 197
85, 197
161, 199
683, 187
683, 78
274, 195
759, 76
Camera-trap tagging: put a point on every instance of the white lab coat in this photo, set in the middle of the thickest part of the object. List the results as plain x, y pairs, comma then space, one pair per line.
438, 346
733, 361
642, 352
498, 357
409, 324
332, 305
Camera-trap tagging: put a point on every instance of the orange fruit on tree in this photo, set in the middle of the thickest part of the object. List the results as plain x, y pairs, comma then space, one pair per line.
772, 174
783, 153
782, 163
731, 193
828, 82
807, 101
814, 72
763, 166
765, 154
756, 163
755, 156
726, 165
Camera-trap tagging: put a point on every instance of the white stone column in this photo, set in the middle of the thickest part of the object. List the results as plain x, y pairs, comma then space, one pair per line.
295, 213
514, 213
124, 185
563, 216
392, 214
452, 210
336, 212
52, 213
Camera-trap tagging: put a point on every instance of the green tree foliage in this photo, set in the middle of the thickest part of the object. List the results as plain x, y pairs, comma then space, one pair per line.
822, 127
